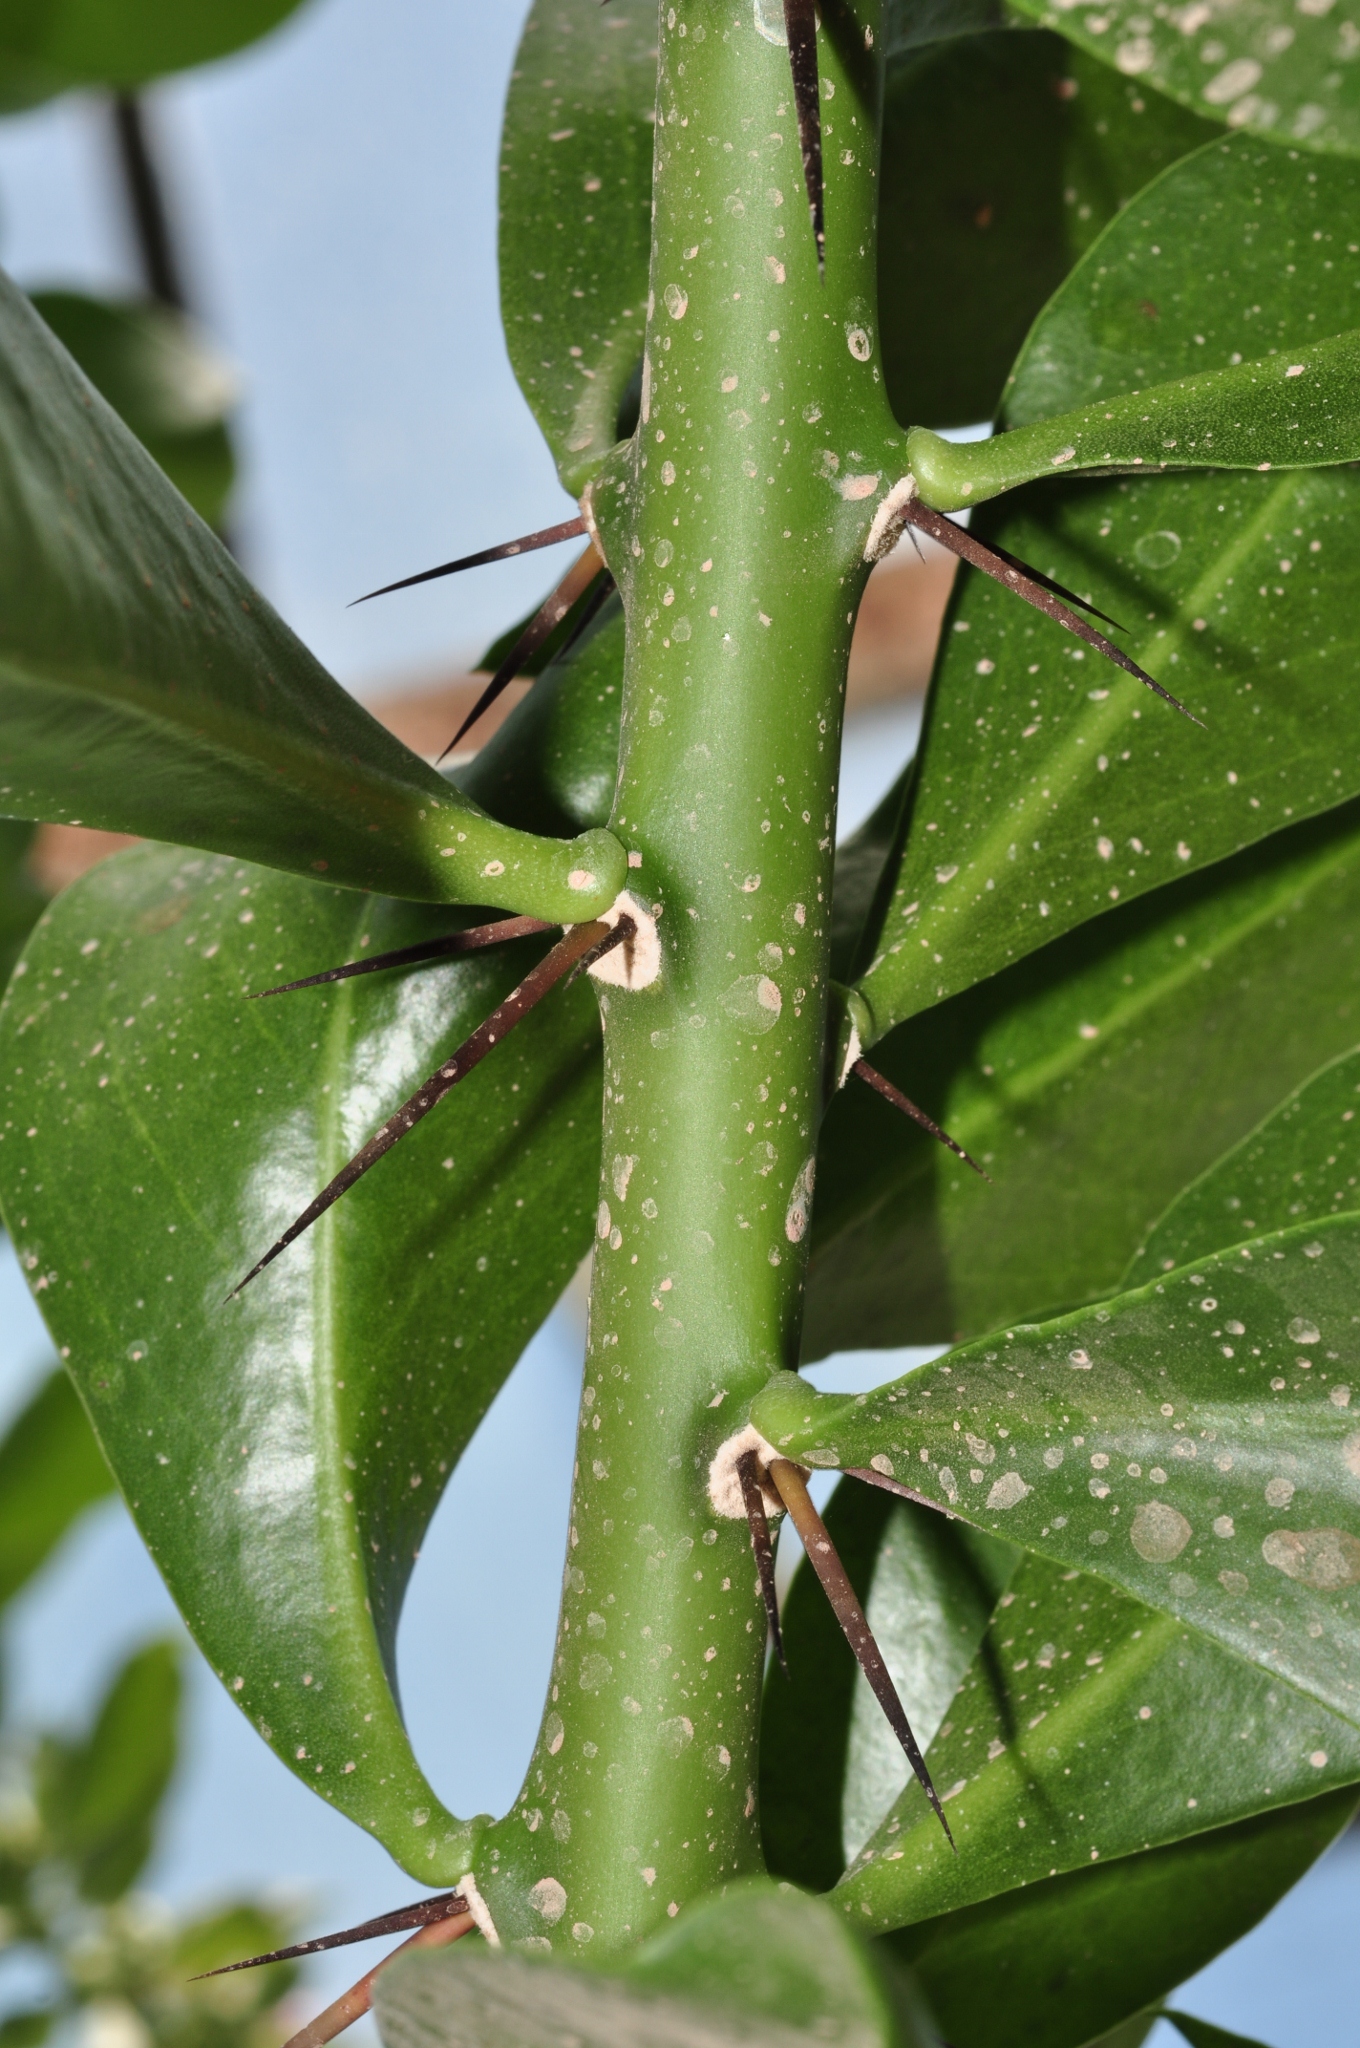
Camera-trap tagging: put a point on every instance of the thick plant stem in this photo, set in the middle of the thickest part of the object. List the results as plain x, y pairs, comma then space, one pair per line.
735, 525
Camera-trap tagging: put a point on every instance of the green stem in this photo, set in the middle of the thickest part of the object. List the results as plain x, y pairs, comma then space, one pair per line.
735, 523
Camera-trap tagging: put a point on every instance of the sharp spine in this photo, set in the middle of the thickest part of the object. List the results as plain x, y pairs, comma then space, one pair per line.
822, 1556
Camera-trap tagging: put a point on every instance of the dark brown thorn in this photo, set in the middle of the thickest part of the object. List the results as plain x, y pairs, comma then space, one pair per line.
800, 26
592, 939
884, 1087
453, 943
444, 1906
822, 1556
1023, 581
623, 934
748, 1471
1058, 589
549, 615
872, 1478
351, 2005
546, 537
590, 610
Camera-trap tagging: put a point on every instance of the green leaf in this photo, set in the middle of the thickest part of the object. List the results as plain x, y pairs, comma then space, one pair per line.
145, 687
1048, 786
100, 1797
1089, 1727
759, 1964
576, 187
87, 42
1189, 1441
1149, 306
830, 1767
26, 2029
1201, 2034
1268, 414
1058, 1962
51, 1470
1003, 157
1267, 65
1300, 1163
162, 379
1092, 1080
914, 24
275, 1456
20, 897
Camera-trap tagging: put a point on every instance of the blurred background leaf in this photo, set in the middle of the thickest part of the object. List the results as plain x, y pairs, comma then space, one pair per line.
51, 1470
165, 380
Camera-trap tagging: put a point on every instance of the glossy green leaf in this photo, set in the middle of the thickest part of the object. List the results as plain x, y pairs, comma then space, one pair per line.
759, 1964
1093, 1081
830, 1767
1050, 786
1089, 1727
273, 1451
1303, 1161
914, 24
1268, 414
1273, 66
162, 379
51, 1470
1190, 1441
20, 897
145, 687
1201, 2034
576, 188
88, 42
99, 1797
1233, 254
1003, 157
1054, 1964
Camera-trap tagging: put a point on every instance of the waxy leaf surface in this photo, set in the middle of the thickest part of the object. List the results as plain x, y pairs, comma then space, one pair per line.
1003, 157
1059, 1963
1192, 1442
575, 192
146, 687
1093, 1081
758, 1966
1089, 1727
1049, 786
1270, 413
1283, 70
1303, 1161
830, 1766
282, 1453
86, 42
162, 378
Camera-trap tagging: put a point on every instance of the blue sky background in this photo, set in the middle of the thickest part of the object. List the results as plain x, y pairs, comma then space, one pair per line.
335, 190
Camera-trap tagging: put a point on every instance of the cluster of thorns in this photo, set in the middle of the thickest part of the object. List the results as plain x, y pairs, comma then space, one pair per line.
584, 590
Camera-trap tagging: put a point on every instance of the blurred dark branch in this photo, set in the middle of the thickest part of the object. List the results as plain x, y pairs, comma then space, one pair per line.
146, 201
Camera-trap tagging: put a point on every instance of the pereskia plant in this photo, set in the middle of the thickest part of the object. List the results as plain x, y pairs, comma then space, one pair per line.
1097, 1565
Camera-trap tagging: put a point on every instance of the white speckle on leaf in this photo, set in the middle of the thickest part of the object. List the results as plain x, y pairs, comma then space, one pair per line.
549, 1900
1159, 1532
1322, 1558
1008, 1491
